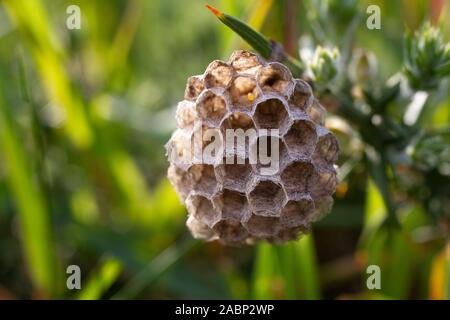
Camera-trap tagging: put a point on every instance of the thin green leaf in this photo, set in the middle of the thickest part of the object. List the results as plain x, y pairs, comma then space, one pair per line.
264, 273
307, 268
101, 280
289, 271
34, 217
254, 38
288, 265
256, 13
377, 166
155, 269
399, 275
85, 130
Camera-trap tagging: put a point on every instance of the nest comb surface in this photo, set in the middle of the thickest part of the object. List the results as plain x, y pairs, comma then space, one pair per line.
233, 202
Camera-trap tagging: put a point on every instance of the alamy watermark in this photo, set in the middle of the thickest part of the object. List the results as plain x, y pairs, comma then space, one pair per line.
74, 279
259, 147
374, 279
374, 19
74, 19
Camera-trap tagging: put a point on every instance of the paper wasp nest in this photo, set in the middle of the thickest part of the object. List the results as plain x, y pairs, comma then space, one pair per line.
232, 201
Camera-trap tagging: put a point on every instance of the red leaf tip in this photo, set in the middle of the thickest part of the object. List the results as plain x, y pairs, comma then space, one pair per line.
216, 12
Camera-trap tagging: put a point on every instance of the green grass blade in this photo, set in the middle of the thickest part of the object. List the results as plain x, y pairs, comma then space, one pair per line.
155, 269
255, 13
34, 217
399, 275
265, 272
87, 132
31, 20
438, 277
388, 248
375, 212
101, 280
307, 268
288, 271
254, 38
288, 265
377, 166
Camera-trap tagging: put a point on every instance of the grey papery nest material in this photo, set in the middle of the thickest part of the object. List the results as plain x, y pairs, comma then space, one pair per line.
233, 202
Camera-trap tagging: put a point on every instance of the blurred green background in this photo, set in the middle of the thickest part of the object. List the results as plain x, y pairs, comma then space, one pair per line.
84, 116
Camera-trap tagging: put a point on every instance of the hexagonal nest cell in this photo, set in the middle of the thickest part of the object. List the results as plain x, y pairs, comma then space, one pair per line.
235, 175
327, 148
200, 230
231, 232
245, 61
203, 178
301, 98
238, 120
295, 213
297, 178
275, 78
317, 113
194, 87
207, 145
218, 74
238, 131
211, 108
186, 115
262, 227
243, 200
270, 114
202, 209
178, 149
181, 181
266, 198
243, 92
288, 234
324, 183
268, 155
231, 204
301, 138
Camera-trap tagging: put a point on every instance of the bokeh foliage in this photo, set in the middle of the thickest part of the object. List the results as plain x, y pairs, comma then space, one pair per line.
84, 115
